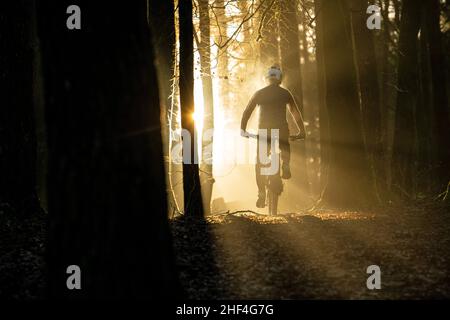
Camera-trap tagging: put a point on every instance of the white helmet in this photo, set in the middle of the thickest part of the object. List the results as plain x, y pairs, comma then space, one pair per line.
274, 73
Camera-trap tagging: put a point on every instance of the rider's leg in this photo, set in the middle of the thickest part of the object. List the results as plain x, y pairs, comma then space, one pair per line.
285, 149
260, 179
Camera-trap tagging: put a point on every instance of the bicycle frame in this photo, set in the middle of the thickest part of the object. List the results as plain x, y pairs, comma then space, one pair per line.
274, 184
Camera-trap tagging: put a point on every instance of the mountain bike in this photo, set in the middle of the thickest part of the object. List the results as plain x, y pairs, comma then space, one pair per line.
273, 182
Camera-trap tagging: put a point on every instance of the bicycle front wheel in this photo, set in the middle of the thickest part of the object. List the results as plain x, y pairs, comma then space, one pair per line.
273, 202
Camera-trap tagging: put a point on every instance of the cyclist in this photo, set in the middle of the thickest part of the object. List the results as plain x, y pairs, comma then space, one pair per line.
272, 101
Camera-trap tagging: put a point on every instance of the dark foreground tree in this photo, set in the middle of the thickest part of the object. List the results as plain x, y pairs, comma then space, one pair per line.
17, 128
161, 18
191, 182
348, 182
162, 22
404, 142
106, 188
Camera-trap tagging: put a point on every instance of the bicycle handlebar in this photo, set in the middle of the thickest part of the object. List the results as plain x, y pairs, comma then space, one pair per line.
296, 138
256, 136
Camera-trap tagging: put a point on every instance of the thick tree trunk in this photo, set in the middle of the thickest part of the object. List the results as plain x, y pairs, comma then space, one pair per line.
161, 19
349, 176
208, 121
292, 74
404, 142
439, 85
368, 83
17, 123
193, 205
107, 199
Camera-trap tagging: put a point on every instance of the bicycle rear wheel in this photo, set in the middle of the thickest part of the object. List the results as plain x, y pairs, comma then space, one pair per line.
273, 202
274, 190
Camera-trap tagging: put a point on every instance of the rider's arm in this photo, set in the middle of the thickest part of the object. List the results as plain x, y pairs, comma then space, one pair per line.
248, 112
293, 109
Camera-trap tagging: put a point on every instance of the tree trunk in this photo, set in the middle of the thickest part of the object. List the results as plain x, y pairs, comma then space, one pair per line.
193, 205
106, 188
246, 31
17, 123
423, 115
222, 59
367, 74
303, 37
404, 144
292, 73
386, 70
349, 175
208, 121
439, 85
162, 21
398, 11
321, 92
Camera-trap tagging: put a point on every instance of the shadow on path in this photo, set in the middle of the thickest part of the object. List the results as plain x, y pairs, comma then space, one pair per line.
323, 255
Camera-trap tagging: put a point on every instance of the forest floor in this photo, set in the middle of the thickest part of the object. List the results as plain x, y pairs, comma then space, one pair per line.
22, 249
318, 255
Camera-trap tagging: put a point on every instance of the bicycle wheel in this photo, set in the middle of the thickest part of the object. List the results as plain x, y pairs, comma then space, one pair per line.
273, 202
274, 190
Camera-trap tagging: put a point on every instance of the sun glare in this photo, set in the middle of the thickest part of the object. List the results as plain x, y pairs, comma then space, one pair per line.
219, 121
198, 115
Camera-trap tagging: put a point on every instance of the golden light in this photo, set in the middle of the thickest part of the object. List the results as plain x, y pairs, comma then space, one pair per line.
219, 123
198, 114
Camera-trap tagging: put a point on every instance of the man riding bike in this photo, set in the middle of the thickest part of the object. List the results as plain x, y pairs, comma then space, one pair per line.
272, 101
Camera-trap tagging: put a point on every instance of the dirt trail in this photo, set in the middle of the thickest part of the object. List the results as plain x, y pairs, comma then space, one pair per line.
315, 256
